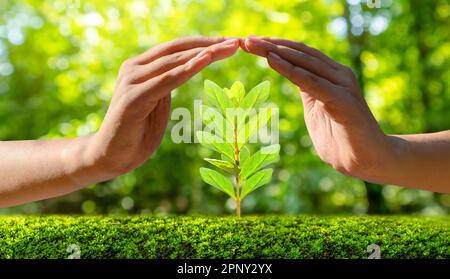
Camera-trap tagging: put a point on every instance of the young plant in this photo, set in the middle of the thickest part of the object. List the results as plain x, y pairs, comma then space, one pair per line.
232, 122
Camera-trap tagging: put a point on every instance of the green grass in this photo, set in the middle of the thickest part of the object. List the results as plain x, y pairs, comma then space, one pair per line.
224, 237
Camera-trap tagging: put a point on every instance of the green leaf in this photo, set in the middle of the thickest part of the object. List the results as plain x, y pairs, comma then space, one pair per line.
215, 121
256, 96
218, 181
257, 180
236, 93
259, 160
211, 90
225, 158
244, 154
224, 165
214, 96
215, 143
253, 125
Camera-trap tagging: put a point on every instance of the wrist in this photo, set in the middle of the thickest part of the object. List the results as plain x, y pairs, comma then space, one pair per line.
390, 160
80, 163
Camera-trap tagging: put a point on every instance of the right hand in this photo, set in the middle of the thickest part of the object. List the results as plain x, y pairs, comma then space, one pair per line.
342, 128
138, 114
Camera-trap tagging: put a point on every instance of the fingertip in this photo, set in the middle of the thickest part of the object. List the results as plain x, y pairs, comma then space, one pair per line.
255, 46
242, 44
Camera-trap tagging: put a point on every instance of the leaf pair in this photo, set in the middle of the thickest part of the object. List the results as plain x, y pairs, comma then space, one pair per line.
222, 183
235, 97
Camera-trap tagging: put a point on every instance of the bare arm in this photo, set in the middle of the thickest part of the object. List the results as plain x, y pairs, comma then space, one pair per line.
38, 169
342, 127
130, 133
418, 161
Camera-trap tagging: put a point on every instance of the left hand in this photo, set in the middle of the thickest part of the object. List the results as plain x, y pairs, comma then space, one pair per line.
138, 114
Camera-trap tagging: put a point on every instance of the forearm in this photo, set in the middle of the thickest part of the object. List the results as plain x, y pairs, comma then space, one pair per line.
419, 161
38, 169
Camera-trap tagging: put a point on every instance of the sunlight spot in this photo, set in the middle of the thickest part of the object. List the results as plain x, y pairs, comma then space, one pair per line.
92, 19
378, 25
357, 20
139, 9
278, 17
284, 175
326, 184
338, 27
127, 203
6, 69
15, 36
92, 36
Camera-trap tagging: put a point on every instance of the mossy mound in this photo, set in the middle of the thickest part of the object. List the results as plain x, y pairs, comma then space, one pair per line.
224, 237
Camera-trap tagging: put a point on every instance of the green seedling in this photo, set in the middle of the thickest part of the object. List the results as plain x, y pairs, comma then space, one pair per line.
232, 117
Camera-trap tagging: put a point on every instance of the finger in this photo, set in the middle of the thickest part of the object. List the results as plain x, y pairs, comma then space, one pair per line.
298, 58
166, 63
161, 85
303, 48
163, 64
222, 50
177, 45
320, 88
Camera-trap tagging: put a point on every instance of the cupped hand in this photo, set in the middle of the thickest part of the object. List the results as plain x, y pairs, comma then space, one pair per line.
138, 114
342, 128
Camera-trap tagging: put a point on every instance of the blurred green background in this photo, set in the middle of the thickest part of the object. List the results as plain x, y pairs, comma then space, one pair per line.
59, 60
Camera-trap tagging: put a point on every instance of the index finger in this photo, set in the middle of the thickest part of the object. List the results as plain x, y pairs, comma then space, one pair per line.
179, 44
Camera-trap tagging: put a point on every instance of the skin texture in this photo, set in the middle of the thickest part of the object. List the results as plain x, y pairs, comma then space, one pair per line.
344, 132
342, 128
130, 133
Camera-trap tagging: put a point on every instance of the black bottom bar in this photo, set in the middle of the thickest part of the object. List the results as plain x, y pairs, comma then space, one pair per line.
225, 268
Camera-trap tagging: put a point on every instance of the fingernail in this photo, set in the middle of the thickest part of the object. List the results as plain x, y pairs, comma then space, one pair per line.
252, 36
275, 56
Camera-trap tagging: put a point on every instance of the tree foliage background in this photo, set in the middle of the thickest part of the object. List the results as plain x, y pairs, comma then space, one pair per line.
59, 60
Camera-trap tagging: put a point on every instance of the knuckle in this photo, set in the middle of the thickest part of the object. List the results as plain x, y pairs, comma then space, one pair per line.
347, 70
178, 41
166, 78
311, 77
291, 73
302, 45
126, 65
168, 60
129, 78
214, 39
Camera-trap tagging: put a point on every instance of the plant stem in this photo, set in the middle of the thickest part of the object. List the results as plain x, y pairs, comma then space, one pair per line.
238, 201
237, 162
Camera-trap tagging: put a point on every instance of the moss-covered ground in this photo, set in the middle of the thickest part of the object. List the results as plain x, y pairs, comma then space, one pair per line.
224, 237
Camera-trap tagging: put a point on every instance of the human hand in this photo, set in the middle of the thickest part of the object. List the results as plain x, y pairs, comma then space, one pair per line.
342, 128
138, 114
